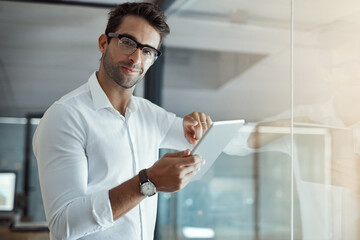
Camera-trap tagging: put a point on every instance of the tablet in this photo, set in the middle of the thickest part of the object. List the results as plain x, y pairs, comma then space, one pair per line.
213, 143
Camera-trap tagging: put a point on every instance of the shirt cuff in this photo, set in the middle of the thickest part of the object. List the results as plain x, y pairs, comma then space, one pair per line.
101, 209
174, 138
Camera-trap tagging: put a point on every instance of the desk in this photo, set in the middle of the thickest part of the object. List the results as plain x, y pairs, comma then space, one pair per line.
7, 234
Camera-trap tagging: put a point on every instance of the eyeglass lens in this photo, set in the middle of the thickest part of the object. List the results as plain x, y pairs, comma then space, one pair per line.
129, 46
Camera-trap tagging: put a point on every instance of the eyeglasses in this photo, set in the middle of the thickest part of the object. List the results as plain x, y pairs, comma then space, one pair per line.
129, 46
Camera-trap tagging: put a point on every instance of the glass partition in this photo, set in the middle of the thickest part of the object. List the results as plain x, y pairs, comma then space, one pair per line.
326, 94
232, 60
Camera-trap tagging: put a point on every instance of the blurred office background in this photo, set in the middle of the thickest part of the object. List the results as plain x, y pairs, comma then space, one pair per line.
291, 63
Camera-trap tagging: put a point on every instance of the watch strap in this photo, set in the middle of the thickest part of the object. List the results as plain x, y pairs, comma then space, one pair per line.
143, 176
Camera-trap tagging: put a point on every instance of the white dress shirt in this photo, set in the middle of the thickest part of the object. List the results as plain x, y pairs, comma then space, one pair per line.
84, 148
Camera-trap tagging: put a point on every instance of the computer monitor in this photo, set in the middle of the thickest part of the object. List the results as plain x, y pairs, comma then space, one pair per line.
7, 193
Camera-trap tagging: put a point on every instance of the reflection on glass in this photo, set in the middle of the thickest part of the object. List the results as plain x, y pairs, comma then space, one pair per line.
326, 94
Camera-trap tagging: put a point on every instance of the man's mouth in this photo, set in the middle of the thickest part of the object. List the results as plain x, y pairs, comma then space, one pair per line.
130, 70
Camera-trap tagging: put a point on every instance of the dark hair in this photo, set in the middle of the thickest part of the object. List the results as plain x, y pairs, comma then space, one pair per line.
150, 12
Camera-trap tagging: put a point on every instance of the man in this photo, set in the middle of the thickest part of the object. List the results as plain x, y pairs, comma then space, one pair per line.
96, 147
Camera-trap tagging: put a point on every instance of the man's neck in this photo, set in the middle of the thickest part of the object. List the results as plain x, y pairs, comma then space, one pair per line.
118, 96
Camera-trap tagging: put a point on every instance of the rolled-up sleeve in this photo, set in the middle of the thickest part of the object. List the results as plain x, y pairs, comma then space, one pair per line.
174, 137
59, 147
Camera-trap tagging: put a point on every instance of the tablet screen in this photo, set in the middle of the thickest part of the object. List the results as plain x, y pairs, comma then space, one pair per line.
213, 143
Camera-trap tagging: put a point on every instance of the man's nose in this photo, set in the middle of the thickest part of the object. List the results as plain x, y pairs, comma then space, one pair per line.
135, 57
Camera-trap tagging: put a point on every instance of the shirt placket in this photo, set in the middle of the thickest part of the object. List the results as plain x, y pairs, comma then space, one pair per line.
136, 169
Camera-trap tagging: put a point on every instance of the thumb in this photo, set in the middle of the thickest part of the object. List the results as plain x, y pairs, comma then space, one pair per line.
178, 154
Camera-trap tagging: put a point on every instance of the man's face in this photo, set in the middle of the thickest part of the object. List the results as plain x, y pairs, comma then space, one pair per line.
128, 69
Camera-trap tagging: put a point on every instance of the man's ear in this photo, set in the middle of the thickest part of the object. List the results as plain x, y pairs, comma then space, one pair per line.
102, 43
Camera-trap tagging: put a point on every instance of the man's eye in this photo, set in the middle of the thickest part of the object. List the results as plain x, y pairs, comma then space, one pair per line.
127, 42
148, 51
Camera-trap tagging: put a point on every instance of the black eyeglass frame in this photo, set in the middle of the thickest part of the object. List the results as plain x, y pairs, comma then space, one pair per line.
138, 45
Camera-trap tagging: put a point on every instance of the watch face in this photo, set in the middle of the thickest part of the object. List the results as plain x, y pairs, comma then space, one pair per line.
148, 189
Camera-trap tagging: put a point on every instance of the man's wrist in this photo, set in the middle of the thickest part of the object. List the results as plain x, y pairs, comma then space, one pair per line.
147, 188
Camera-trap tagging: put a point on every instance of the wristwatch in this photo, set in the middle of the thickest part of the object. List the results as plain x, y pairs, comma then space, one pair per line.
146, 186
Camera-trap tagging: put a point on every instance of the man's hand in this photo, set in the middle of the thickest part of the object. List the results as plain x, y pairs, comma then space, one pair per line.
345, 173
195, 126
174, 171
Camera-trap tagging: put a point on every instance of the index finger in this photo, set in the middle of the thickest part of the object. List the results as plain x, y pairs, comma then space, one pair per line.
198, 128
190, 160
190, 120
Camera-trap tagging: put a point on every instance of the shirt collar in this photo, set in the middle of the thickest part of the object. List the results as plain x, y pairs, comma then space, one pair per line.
100, 99
132, 106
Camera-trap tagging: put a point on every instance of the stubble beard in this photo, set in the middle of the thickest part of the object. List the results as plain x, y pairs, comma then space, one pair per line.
113, 70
